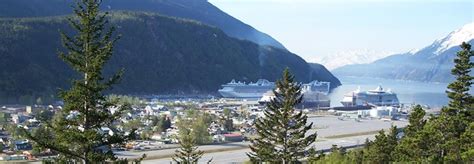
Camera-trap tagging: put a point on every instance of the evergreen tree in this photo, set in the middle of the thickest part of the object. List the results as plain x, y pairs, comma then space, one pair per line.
76, 130
281, 133
416, 121
411, 146
467, 148
337, 156
199, 123
456, 117
458, 91
381, 149
228, 124
226, 120
188, 153
356, 156
165, 123
392, 141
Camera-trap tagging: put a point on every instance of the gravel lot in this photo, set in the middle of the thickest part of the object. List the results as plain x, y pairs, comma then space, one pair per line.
330, 125
325, 126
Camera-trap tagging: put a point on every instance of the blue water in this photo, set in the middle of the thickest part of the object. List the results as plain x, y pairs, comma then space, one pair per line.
409, 92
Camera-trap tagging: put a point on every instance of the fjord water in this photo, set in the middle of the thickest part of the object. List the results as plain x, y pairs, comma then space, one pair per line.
408, 92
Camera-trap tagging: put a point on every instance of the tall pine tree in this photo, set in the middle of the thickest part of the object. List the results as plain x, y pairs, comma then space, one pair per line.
412, 146
416, 121
442, 138
455, 118
76, 129
458, 91
188, 153
281, 133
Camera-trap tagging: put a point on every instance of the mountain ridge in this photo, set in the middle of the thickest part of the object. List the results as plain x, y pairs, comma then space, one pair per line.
161, 55
432, 63
199, 10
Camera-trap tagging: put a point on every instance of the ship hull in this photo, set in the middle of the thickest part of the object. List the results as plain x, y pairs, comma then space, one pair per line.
233, 94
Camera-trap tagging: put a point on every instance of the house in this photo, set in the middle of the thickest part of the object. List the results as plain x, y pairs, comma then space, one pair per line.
106, 130
23, 145
19, 118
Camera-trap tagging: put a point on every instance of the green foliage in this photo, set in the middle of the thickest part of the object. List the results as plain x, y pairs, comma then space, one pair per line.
132, 125
416, 121
228, 124
177, 56
146, 134
226, 120
188, 153
162, 123
413, 146
165, 123
447, 137
454, 120
337, 156
75, 132
281, 134
227, 112
43, 114
458, 91
41, 131
15, 131
467, 148
122, 100
381, 148
198, 122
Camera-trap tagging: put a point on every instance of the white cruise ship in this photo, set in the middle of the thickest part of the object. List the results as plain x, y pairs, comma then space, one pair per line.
256, 90
376, 97
239, 89
311, 99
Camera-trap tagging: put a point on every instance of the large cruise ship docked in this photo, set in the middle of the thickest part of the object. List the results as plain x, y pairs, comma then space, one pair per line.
239, 89
256, 90
376, 97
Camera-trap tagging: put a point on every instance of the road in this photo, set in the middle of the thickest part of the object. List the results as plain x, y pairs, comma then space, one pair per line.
239, 156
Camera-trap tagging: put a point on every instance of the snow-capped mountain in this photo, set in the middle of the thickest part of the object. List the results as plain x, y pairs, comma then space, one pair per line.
455, 38
343, 58
432, 63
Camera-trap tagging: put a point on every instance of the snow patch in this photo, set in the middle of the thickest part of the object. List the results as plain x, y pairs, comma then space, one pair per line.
455, 38
342, 58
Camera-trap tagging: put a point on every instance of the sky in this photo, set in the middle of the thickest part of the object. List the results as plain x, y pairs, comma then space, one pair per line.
315, 28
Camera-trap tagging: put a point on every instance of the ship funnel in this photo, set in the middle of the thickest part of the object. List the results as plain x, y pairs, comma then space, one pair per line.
379, 88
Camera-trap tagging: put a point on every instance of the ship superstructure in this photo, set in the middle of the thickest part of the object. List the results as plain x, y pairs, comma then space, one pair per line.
237, 89
376, 97
317, 86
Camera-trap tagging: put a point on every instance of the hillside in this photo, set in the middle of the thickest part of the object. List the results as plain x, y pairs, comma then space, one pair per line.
199, 10
323, 74
430, 64
161, 55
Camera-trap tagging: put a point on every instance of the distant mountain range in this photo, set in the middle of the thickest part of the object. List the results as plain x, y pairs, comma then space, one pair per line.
199, 10
431, 64
344, 58
161, 55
